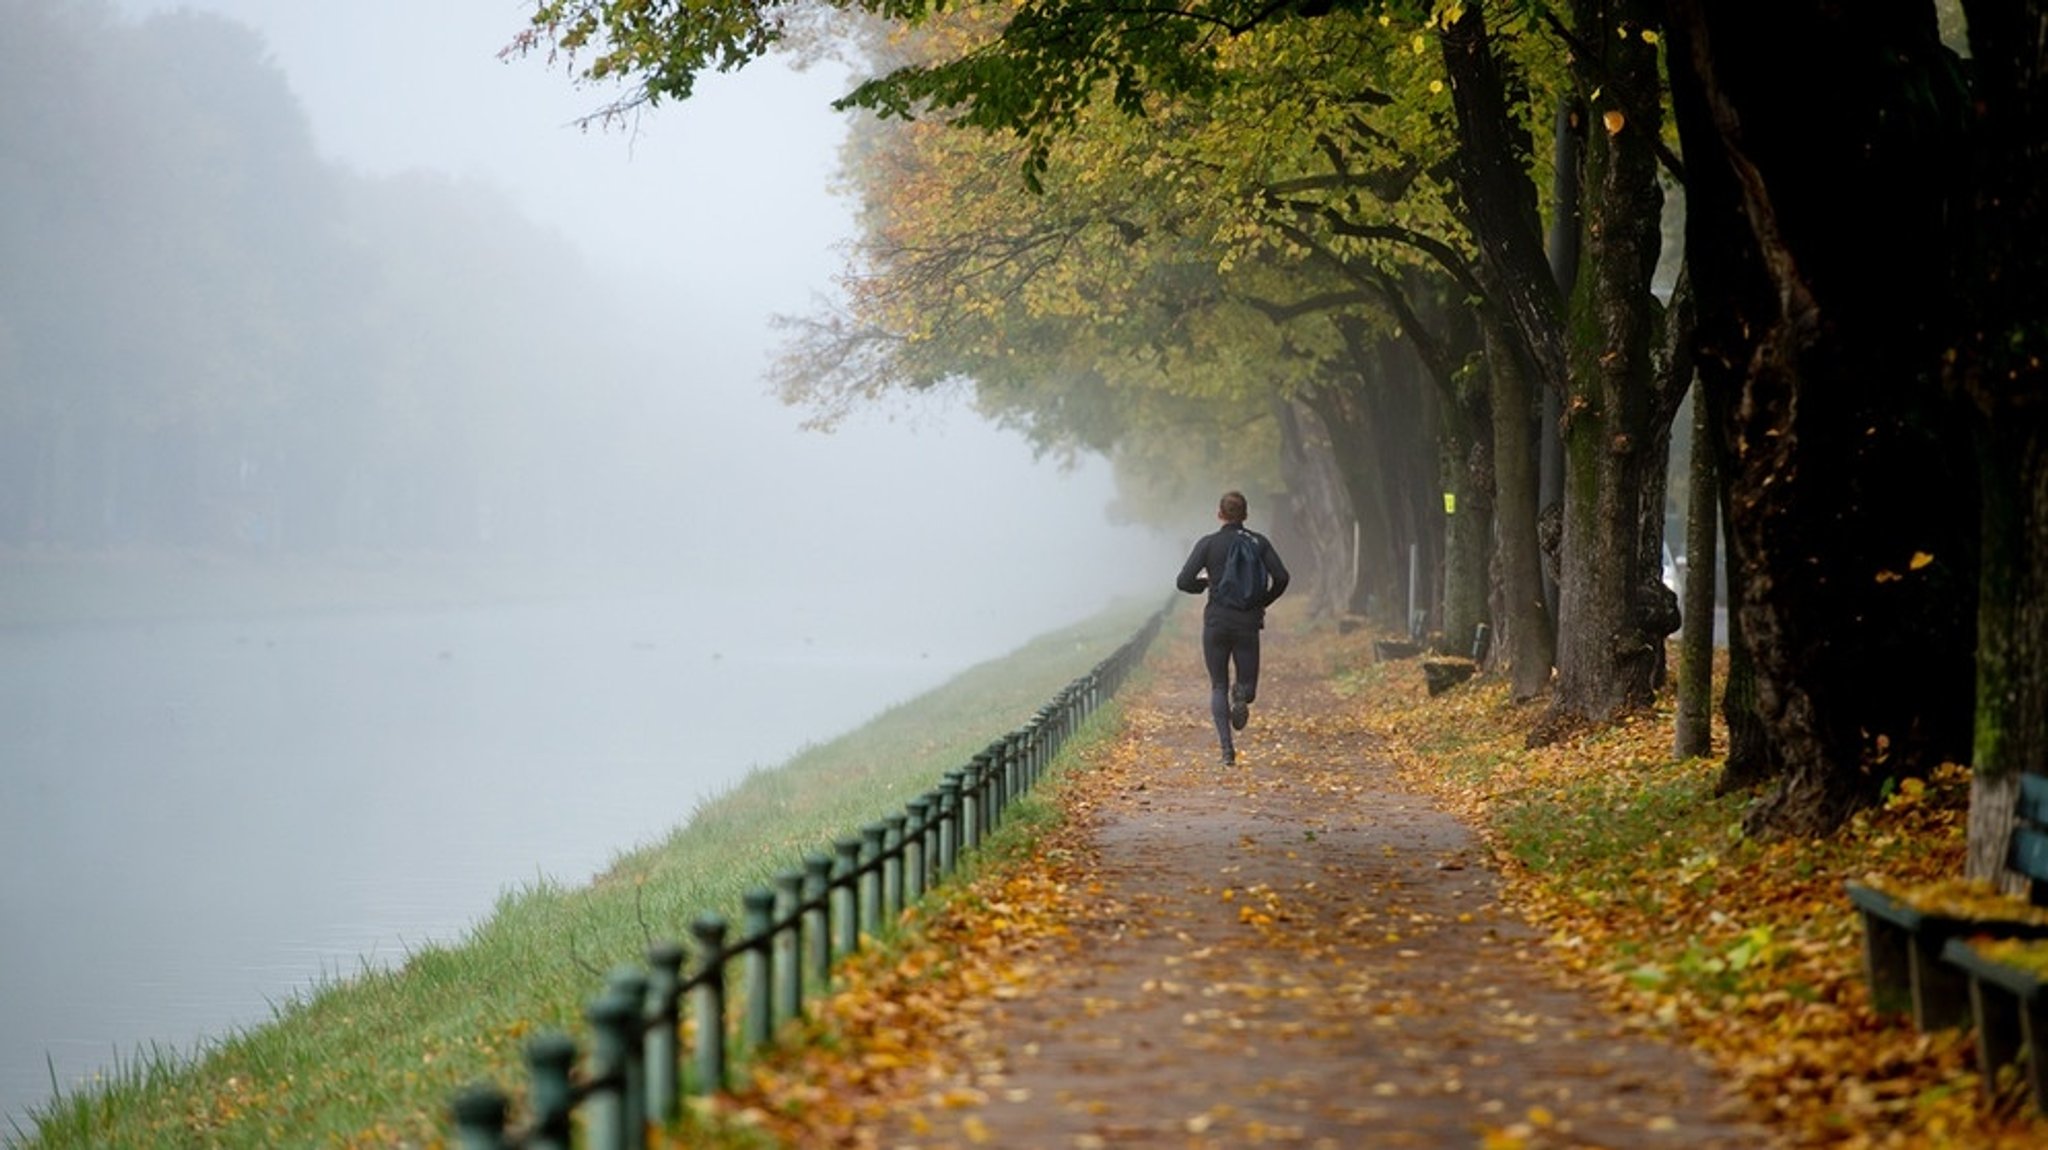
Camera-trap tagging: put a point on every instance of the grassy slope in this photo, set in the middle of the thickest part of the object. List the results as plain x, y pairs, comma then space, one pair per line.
372, 1060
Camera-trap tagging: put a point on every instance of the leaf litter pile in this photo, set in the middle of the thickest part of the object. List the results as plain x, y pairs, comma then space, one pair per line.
1392, 925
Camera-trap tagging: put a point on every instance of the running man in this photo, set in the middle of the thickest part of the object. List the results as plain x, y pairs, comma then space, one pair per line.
1234, 616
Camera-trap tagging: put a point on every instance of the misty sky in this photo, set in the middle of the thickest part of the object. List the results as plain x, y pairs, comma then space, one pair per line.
715, 213
726, 188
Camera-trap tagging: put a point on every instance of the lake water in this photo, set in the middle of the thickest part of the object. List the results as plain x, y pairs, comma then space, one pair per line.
200, 819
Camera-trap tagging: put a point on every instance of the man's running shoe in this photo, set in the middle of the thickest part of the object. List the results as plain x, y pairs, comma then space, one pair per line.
1240, 707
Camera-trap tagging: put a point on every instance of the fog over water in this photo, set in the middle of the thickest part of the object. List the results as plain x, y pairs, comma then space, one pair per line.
200, 816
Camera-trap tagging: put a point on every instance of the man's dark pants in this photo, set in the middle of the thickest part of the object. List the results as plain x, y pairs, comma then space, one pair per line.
1223, 645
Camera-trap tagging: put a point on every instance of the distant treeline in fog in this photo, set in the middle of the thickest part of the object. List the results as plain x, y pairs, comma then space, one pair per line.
209, 337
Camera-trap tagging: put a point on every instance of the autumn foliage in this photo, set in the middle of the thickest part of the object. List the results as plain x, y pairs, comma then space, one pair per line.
1633, 871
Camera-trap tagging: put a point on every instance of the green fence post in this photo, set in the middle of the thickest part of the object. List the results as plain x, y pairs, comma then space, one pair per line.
606, 1115
550, 1058
934, 828
629, 984
871, 837
949, 821
991, 788
846, 876
709, 931
480, 1114
917, 832
1014, 782
664, 1009
970, 802
758, 912
789, 957
893, 852
818, 918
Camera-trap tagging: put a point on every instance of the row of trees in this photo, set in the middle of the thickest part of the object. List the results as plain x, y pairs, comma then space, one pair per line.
211, 337
1402, 248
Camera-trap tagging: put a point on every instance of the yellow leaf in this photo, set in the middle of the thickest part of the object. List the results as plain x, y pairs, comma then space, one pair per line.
975, 1129
1920, 559
1614, 122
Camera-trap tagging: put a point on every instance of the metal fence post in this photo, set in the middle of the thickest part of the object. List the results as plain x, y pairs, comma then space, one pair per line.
1014, 784
917, 832
789, 958
935, 815
998, 782
970, 802
607, 1117
893, 852
709, 931
949, 822
818, 917
664, 1008
758, 912
871, 837
629, 985
550, 1058
847, 877
480, 1114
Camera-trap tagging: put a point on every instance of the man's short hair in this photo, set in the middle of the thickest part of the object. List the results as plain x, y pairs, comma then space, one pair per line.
1233, 507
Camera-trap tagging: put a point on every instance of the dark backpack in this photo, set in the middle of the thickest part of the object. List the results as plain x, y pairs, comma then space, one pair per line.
1243, 582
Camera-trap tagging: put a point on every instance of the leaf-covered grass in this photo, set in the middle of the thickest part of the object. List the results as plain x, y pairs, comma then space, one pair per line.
1748, 950
373, 1059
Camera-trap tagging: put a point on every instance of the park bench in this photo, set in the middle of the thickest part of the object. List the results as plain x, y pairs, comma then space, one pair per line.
2008, 1005
1905, 931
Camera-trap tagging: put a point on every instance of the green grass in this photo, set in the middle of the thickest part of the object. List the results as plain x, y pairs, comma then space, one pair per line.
374, 1058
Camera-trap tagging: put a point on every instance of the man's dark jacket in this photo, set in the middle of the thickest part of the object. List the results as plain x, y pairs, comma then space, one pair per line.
1209, 553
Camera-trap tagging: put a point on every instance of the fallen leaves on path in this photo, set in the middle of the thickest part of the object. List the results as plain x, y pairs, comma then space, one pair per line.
1636, 878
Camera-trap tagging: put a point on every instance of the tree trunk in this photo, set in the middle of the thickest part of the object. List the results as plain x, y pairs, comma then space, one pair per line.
1323, 515
1609, 648
1382, 420
1809, 130
1468, 506
1524, 620
1999, 363
1694, 735
2012, 636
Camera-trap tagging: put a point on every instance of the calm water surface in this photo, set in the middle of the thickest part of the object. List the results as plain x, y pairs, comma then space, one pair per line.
198, 820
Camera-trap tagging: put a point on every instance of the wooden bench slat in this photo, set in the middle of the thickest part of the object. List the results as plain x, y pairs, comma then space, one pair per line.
2033, 802
2029, 852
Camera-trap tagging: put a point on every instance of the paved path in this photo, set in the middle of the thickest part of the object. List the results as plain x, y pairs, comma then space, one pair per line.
1294, 952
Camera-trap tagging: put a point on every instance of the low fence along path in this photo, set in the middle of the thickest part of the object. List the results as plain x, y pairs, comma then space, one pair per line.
1292, 951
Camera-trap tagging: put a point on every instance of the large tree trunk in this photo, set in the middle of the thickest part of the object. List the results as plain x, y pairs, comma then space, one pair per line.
2012, 635
1610, 639
1812, 136
1383, 424
1469, 484
1322, 509
1999, 363
1693, 736
1526, 635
